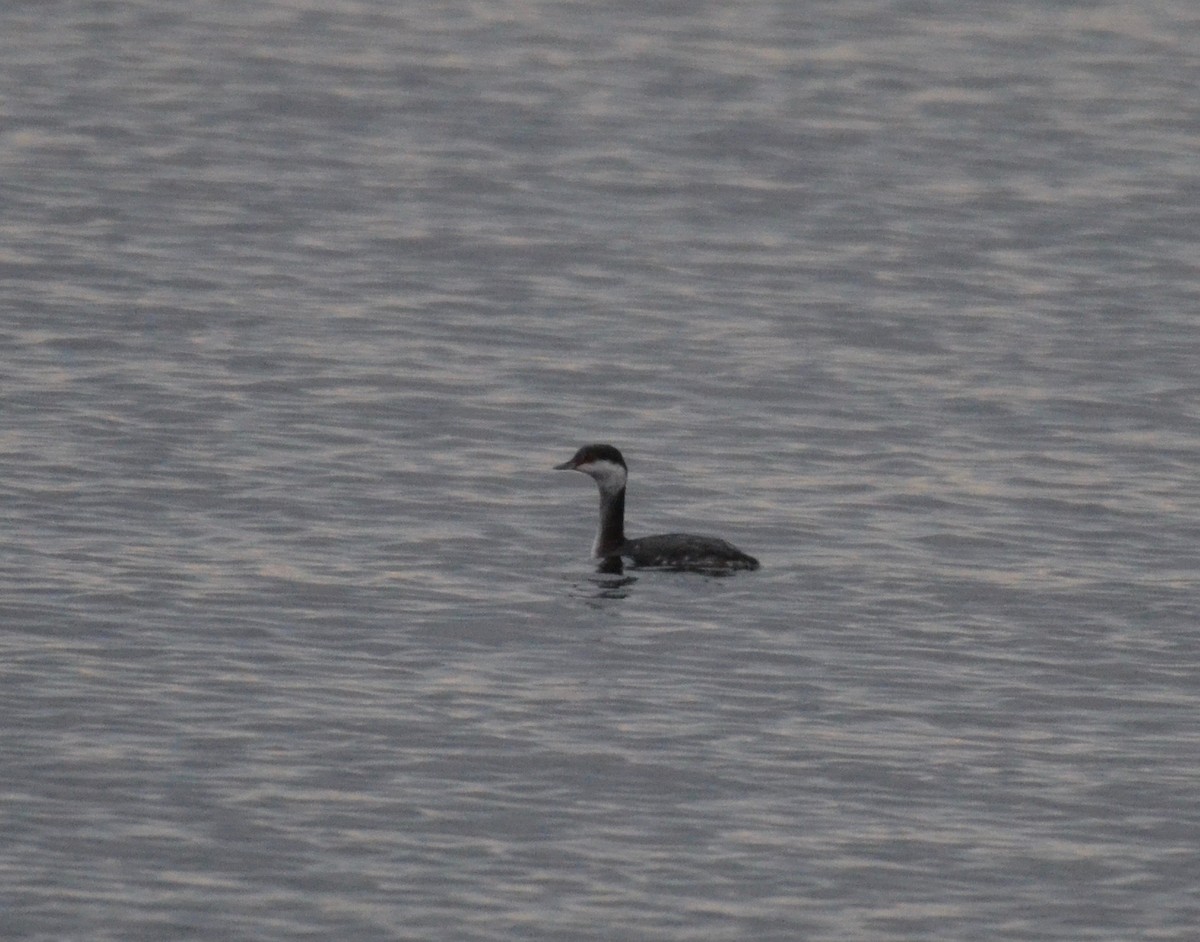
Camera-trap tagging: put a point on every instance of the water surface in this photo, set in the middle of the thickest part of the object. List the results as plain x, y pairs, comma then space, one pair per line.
302, 302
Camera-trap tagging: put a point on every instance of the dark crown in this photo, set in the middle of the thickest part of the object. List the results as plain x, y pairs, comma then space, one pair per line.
590, 453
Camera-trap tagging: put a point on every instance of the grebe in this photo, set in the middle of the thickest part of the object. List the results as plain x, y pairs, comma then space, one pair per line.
604, 465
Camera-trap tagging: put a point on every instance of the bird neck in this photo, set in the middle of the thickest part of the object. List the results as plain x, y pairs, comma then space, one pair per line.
611, 534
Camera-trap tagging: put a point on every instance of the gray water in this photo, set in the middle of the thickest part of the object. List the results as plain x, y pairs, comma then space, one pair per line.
302, 300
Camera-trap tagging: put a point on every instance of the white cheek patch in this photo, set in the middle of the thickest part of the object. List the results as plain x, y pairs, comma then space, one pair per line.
608, 475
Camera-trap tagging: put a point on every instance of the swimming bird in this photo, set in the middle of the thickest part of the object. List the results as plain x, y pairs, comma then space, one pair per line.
605, 465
